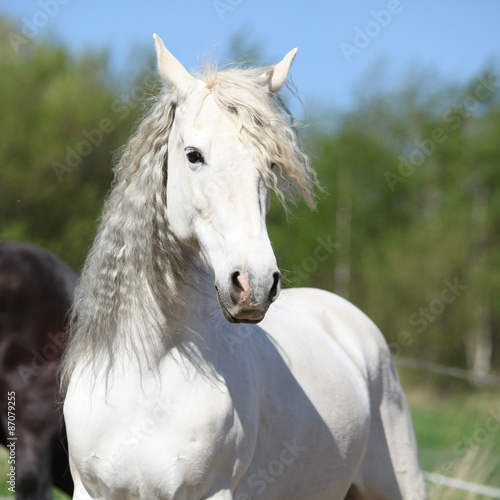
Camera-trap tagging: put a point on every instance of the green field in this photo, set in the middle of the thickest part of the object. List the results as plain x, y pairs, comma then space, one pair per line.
457, 433
458, 436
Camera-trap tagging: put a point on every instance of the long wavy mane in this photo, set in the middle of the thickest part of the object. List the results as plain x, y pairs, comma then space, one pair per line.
131, 274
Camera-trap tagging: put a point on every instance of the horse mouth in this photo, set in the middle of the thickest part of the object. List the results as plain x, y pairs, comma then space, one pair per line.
245, 316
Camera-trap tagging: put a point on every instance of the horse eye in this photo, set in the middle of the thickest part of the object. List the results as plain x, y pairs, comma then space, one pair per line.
194, 157
273, 166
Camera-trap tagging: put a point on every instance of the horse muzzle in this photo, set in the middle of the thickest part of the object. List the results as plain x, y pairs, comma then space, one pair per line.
246, 300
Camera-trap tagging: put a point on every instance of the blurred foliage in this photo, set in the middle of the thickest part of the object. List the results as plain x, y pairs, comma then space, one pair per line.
60, 120
418, 172
408, 229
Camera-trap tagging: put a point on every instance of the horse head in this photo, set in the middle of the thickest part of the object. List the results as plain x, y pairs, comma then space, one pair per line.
218, 192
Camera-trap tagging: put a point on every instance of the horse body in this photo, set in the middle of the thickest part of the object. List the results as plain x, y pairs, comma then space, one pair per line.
174, 391
273, 392
299, 401
36, 292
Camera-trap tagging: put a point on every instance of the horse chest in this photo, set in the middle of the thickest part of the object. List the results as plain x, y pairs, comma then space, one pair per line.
158, 441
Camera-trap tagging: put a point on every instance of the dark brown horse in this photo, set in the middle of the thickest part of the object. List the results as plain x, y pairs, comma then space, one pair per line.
36, 291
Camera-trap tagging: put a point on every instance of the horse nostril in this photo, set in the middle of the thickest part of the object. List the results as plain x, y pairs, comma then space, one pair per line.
235, 281
275, 289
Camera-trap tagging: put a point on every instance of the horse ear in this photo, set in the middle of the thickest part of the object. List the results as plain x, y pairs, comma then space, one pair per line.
171, 70
278, 73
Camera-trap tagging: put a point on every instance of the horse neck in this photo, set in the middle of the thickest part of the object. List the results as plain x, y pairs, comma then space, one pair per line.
194, 300
196, 293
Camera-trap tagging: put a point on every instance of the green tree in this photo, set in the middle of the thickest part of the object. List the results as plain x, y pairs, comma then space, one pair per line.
413, 208
61, 118
408, 227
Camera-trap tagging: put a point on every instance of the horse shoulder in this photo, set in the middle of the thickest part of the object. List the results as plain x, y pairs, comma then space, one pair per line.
314, 399
351, 329
392, 443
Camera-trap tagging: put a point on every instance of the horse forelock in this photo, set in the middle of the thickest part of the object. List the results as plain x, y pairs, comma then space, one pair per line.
267, 127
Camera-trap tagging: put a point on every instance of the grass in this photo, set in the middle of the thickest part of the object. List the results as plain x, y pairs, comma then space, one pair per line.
456, 432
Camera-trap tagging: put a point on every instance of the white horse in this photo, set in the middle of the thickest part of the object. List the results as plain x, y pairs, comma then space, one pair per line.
171, 395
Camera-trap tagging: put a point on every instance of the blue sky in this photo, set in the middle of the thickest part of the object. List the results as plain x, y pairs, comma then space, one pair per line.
340, 42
